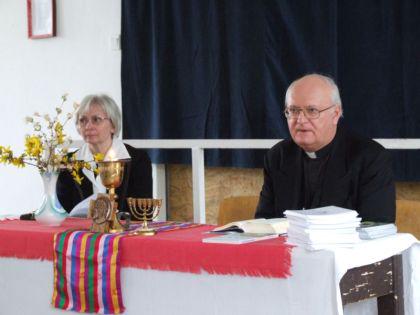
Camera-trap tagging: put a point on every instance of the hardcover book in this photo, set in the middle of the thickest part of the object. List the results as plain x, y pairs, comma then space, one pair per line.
370, 230
262, 226
238, 238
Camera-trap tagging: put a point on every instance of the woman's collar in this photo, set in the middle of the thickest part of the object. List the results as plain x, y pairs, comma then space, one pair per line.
116, 151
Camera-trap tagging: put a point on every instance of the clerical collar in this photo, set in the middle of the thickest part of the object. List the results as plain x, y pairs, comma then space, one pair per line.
321, 152
311, 155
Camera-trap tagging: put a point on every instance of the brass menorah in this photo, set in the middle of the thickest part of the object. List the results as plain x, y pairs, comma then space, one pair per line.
144, 209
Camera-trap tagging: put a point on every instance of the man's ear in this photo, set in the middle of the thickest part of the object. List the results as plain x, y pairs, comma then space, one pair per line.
337, 115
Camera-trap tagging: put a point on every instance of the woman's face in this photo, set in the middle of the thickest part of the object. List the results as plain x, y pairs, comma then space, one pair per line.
95, 126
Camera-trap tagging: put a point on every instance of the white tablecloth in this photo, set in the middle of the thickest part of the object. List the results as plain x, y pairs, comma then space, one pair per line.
26, 285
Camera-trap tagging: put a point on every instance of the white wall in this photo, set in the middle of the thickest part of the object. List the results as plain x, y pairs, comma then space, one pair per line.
35, 73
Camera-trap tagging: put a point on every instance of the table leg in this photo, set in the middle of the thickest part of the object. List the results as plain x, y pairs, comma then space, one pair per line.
393, 303
383, 279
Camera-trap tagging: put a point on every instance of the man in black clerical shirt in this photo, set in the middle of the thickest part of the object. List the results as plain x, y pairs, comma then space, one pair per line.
324, 164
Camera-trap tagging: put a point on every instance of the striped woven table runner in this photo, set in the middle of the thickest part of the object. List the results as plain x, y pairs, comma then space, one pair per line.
87, 272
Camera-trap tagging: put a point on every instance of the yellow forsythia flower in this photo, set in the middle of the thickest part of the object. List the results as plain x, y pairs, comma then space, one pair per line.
59, 131
76, 176
6, 155
98, 157
87, 166
33, 146
18, 162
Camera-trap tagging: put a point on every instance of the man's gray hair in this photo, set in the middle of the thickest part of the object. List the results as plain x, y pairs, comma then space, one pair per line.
107, 104
335, 93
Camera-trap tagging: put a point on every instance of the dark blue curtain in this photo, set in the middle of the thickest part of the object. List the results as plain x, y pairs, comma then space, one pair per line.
219, 69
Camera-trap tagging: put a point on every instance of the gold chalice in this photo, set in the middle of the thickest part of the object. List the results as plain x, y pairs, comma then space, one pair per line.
145, 209
111, 173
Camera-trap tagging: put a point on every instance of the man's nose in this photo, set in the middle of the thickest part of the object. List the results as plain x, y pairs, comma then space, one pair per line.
301, 117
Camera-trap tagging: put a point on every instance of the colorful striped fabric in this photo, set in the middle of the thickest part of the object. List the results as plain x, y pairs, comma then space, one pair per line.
87, 272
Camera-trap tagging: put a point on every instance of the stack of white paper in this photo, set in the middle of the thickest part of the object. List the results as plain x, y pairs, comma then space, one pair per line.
321, 228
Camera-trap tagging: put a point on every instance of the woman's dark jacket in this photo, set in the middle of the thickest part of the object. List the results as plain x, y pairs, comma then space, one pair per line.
137, 182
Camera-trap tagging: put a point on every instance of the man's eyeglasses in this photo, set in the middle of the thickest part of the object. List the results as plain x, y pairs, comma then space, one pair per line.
94, 120
309, 112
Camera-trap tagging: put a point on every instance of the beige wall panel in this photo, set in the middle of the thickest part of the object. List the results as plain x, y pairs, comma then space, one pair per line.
180, 202
220, 183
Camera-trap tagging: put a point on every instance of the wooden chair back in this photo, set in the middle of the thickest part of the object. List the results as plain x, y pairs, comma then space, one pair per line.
236, 209
408, 217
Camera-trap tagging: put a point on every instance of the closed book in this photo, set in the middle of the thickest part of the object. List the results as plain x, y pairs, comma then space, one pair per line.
238, 238
371, 230
376, 226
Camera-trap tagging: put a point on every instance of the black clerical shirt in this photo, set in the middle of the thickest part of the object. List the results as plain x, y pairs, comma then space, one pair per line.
313, 175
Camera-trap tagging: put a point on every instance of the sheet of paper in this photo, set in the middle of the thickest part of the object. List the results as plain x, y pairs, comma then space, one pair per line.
81, 209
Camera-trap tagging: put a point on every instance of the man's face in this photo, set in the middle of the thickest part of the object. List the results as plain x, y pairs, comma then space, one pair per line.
313, 134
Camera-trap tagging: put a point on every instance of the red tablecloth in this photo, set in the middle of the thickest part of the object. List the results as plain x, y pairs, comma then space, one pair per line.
177, 250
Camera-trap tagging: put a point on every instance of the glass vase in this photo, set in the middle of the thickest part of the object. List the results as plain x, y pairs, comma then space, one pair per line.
50, 212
